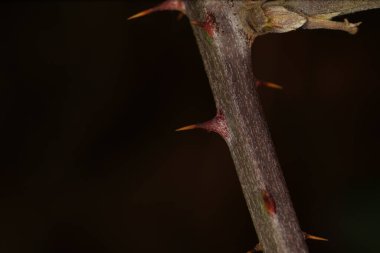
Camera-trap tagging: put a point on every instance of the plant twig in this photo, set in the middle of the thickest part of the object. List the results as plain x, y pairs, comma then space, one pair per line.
227, 58
229, 28
225, 31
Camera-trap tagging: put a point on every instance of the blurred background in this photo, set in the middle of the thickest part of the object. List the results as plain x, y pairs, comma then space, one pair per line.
90, 161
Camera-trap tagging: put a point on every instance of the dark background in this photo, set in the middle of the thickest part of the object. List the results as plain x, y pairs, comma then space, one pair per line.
90, 161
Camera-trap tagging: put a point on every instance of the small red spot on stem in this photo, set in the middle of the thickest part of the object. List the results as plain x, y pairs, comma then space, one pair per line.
168, 5
217, 125
209, 25
269, 202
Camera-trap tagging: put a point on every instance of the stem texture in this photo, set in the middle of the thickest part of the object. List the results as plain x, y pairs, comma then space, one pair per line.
227, 59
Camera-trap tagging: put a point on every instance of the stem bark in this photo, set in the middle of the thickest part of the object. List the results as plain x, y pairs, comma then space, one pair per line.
227, 59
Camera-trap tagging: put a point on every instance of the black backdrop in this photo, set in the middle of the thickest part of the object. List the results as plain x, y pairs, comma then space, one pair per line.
89, 160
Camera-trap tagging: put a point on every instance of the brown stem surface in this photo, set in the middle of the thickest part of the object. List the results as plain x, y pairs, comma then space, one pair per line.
225, 30
227, 58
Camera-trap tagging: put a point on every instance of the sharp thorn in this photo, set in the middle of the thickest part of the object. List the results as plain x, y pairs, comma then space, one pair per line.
274, 86
260, 83
313, 237
168, 5
142, 14
259, 248
217, 125
186, 128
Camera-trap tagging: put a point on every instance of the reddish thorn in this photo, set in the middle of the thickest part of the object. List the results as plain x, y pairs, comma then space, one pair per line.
217, 125
313, 237
168, 5
269, 202
209, 26
260, 83
191, 127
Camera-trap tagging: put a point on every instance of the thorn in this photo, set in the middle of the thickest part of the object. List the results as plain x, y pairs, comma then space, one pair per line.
313, 237
273, 86
259, 248
186, 128
217, 125
142, 14
268, 84
269, 202
168, 5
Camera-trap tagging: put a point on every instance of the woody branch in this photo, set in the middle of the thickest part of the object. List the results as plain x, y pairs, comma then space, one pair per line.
225, 31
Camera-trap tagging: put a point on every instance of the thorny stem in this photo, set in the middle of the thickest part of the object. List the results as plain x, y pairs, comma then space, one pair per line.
225, 31
225, 46
228, 64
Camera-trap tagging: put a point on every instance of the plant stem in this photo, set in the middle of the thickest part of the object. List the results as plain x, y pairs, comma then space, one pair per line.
227, 59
